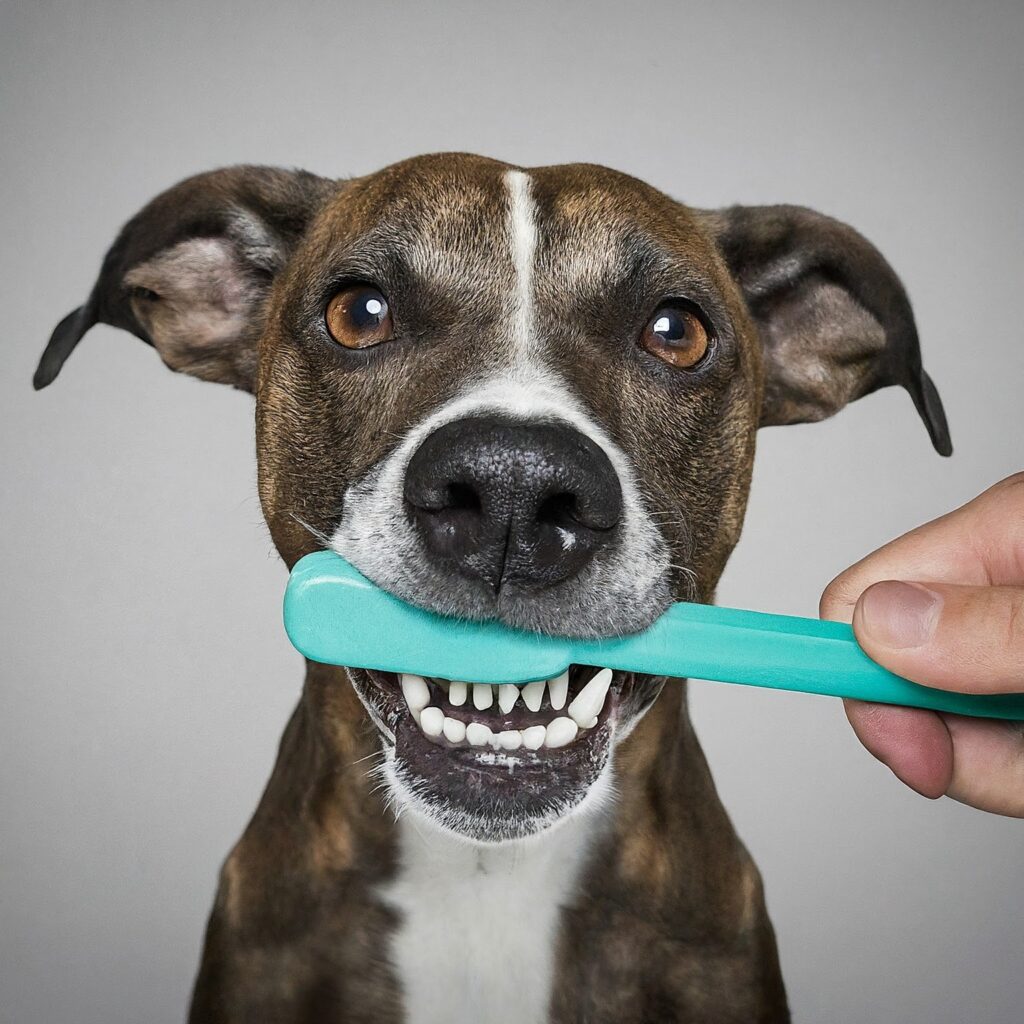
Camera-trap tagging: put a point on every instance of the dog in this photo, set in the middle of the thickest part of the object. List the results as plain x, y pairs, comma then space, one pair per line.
529, 395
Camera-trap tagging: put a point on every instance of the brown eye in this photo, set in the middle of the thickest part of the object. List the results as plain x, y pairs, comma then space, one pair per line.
359, 317
676, 335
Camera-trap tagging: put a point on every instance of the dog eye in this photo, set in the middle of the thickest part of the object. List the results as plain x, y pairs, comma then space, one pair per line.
676, 335
358, 317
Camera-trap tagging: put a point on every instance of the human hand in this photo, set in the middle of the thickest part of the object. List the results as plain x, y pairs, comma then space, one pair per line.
943, 606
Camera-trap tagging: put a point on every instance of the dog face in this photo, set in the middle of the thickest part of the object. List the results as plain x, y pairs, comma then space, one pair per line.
523, 395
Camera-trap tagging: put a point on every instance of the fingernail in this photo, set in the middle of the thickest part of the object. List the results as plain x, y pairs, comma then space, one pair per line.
899, 615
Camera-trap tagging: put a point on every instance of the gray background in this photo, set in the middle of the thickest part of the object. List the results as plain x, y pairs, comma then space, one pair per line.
145, 676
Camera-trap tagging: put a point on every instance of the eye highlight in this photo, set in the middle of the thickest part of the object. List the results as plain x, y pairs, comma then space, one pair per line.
359, 317
677, 336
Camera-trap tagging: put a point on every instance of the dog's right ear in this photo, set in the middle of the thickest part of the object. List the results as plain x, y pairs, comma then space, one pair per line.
190, 272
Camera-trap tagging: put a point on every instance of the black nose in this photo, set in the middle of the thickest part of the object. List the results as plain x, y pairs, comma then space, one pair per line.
511, 502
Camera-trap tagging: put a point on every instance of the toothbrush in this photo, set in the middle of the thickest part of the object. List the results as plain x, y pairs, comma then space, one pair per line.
334, 615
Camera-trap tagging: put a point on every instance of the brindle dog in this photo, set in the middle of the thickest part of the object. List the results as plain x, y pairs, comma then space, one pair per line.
529, 395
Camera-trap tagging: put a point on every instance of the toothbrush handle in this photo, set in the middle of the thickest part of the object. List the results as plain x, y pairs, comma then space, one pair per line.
783, 652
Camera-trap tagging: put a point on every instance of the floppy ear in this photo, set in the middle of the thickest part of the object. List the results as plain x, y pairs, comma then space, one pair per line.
834, 319
189, 273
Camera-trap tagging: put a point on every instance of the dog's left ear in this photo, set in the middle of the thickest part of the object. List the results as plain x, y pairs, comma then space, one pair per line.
834, 319
190, 272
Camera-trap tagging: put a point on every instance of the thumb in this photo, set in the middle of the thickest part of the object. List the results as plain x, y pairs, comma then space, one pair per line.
945, 635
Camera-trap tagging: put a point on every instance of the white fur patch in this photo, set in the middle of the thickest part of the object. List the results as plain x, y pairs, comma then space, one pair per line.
523, 232
480, 922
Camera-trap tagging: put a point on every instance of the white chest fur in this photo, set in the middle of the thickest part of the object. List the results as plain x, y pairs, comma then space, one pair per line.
479, 923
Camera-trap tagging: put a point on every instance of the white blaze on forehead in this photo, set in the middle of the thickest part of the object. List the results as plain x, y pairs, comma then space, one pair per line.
523, 233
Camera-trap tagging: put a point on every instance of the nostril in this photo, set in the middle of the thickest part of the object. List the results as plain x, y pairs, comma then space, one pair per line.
462, 497
559, 510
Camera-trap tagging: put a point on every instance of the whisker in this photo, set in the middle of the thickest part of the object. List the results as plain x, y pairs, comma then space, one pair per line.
318, 534
375, 753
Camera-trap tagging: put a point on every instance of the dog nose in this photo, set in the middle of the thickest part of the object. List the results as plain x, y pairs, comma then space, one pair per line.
527, 503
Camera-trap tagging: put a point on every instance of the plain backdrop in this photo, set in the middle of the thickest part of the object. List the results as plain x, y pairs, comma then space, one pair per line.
145, 675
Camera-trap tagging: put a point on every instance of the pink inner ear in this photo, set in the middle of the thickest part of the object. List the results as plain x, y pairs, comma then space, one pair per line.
820, 349
205, 306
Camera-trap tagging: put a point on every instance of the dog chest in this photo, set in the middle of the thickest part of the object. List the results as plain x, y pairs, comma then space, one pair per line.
479, 924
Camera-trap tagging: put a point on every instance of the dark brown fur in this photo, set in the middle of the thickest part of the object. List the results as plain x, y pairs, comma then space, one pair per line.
809, 317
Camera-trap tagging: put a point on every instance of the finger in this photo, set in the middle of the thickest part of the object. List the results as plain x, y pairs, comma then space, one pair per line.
953, 637
980, 543
988, 764
914, 744
980, 763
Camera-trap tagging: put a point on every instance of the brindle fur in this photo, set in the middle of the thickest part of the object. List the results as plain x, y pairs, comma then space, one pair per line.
671, 925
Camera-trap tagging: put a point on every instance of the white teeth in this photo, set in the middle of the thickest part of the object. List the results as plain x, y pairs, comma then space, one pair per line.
432, 721
454, 730
559, 690
533, 694
510, 739
416, 693
478, 734
533, 738
588, 703
560, 732
582, 713
508, 694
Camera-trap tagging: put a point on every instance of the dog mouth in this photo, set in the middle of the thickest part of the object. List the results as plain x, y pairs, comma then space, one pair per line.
497, 761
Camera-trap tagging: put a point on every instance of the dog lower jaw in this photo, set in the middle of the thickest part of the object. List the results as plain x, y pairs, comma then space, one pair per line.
489, 794
505, 825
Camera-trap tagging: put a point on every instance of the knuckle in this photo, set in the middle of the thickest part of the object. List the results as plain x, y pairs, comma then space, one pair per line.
1015, 622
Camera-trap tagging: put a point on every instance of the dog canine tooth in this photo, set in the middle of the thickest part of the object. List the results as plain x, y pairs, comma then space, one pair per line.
478, 734
533, 738
510, 739
457, 693
432, 721
588, 703
560, 732
508, 694
483, 696
416, 693
454, 730
559, 690
533, 694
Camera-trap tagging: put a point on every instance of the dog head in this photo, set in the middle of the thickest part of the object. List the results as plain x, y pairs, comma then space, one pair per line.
529, 395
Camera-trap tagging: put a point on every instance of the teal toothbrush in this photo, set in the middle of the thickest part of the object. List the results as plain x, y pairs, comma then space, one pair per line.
334, 615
